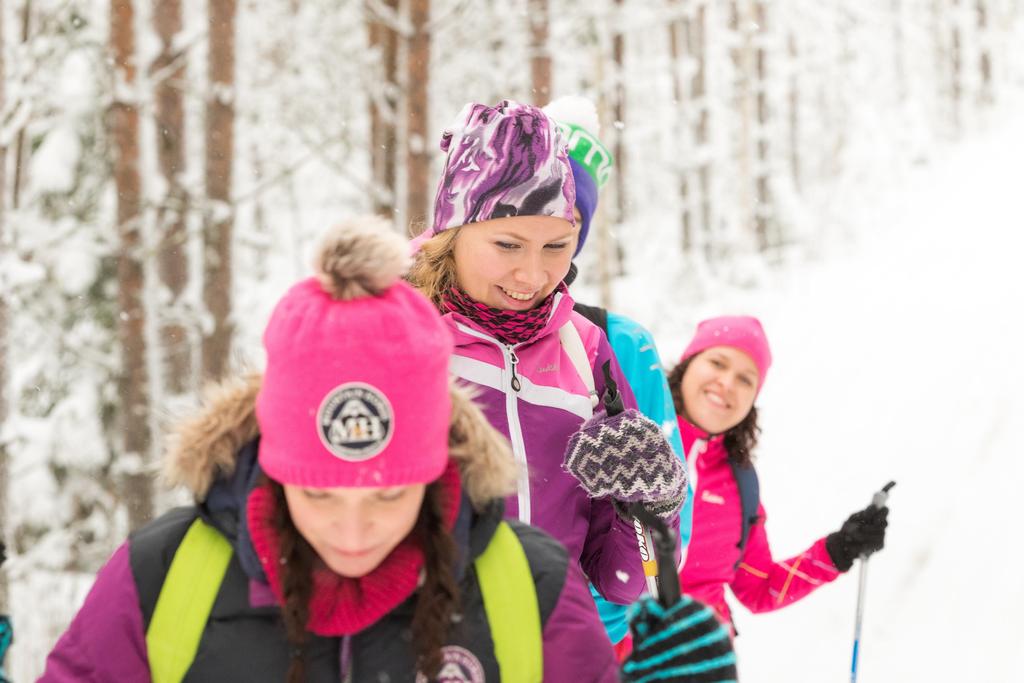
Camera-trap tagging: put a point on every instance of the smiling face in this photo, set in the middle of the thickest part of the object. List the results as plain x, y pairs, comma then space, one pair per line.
718, 388
514, 263
354, 529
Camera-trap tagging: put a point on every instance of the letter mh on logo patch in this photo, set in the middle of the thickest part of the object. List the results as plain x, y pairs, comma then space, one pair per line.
355, 421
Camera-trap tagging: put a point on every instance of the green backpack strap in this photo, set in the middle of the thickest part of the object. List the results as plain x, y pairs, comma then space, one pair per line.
185, 602
510, 600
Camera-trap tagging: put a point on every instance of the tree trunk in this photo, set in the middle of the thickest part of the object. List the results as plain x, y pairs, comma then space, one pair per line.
795, 168
619, 108
383, 39
418, 195
4, 324
740, 20
899, 51
169, 71
678, 44
617, 104
601, 227
219, 213
540, 55
19, 145
702, 128
762, 208
133, 384
987, 96
957, 67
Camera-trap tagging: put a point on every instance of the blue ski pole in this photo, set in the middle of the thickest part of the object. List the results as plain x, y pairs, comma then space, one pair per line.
878, 500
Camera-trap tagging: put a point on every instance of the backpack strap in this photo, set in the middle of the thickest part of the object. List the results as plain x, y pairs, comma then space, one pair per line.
570, 339
510, 600
200, 562
595, 314
185, 602
750, 500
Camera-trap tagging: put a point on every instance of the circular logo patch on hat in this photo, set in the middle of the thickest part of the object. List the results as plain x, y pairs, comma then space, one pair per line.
459, 665
355, 421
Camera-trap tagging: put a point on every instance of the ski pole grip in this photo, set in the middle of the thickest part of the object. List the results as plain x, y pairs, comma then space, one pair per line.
612, 399
879, 499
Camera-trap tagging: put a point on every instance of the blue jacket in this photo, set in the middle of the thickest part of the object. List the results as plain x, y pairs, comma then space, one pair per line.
638, 357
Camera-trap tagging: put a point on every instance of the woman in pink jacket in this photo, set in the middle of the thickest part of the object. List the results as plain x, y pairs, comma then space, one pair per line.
714, 386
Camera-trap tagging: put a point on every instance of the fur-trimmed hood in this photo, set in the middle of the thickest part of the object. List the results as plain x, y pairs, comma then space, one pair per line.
205, 447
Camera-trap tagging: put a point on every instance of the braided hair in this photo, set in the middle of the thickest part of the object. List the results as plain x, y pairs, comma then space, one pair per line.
297, 558
437, 600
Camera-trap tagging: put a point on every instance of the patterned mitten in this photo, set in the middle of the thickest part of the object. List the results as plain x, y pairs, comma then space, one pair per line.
683, 643
625, 457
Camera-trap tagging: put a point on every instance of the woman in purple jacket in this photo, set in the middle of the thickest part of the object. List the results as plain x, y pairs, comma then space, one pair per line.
348, 523
493, 261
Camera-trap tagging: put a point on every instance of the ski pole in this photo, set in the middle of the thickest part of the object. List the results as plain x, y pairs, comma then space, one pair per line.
645, 543
878, 501
613, 405
664, 547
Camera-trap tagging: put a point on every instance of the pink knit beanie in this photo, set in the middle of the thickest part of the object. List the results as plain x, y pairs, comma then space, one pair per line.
356, 387
741, 332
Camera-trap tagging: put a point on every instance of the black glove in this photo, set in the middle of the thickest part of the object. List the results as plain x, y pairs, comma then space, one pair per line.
862, 534
685, 643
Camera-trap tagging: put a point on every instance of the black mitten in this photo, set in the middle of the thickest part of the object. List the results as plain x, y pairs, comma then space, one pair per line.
862, 534
625, 457
685, 642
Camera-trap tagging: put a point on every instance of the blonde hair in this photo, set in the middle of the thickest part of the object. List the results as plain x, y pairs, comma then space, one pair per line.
433, 267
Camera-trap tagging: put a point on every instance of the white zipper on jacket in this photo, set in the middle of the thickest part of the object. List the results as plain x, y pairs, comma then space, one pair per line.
510, 385
696, 450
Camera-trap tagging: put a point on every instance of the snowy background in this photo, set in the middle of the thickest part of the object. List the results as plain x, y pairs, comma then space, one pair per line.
898, 355
849, 172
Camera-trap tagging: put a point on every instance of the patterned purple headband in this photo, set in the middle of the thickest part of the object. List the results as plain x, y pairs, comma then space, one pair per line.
503, 161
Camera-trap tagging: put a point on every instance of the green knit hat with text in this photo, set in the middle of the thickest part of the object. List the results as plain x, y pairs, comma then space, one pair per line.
588, 152
578, 119
590, 160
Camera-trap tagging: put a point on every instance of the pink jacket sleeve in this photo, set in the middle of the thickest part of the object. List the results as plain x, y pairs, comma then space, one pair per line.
763, 585
105, 642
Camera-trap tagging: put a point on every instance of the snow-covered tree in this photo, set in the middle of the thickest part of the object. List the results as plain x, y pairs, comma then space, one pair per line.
164, 192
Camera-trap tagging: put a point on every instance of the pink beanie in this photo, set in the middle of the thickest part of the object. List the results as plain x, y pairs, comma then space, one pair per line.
741, 332
356, 387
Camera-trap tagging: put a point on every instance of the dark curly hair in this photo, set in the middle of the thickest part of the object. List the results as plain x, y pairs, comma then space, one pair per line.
436, 600
739, 441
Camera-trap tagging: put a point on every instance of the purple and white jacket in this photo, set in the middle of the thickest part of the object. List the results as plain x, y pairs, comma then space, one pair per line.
533, 394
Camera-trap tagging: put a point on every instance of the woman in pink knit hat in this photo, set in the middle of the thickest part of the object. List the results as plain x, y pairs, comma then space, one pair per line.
714, 386
347, 523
